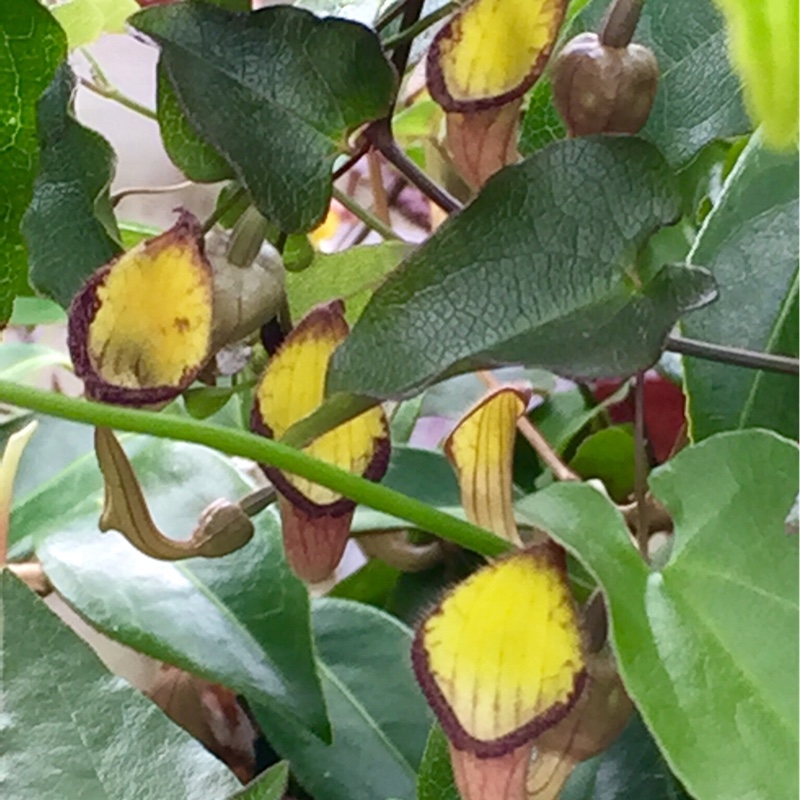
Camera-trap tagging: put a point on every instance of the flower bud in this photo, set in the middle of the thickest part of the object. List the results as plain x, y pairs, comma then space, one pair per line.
602, 89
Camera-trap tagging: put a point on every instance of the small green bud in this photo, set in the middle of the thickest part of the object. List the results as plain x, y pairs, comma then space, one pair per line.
602, 89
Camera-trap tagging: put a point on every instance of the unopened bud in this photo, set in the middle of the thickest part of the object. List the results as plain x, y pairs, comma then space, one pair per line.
602, 89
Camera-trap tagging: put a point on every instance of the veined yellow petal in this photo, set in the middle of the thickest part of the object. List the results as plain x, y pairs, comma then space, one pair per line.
481, 448
501, 659
491, 52
140, 328
293, 386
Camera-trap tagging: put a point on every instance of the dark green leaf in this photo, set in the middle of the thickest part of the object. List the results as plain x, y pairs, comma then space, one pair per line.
69, 227
435, 781
276, 95
241, 620
32, 45
749, 242
422, 474
699, 96
541, 123
196, 159
378, 714
352, 274
707, 645
203, 402
268, 786
534, 271
631, 769
73, 730
371, 584
609, 456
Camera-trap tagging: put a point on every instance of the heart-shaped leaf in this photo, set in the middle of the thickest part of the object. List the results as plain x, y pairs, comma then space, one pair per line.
276, 94
540, 269
707, 645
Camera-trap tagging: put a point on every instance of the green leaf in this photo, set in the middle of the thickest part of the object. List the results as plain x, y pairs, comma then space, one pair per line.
378, 714
699, 97
631, 769
248, 604
707, 646
371, 584
276, 95
422, 474
534, 271
85, 20
609, 456
32, 311
69, 227
351, 274
435, 781
196, 159
270, 785
749, 242
73, 730
32, 45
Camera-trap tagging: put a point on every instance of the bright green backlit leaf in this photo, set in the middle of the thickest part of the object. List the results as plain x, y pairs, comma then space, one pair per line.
707, 645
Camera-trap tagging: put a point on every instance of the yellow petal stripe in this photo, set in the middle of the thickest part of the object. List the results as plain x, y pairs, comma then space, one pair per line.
501, 659
154, 313
481, 448
492, 50
293, 386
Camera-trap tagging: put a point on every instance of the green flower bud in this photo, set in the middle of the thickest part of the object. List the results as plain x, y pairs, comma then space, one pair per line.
602, 89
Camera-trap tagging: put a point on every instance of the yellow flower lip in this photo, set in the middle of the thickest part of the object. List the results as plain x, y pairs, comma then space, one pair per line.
481, 450
491, 52
501, 660
316, 520
292, 387
140, 327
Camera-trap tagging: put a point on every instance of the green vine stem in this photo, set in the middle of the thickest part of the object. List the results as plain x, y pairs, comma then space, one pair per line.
361, 213
265, 451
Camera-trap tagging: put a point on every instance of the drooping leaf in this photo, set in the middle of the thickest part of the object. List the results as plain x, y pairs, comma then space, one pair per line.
534, 271
276, 95
749, 242
73, 730
173, 611
69, 227
351, 274
631, 769
699, 96
196, 159
378, 715
714, 681
32, 45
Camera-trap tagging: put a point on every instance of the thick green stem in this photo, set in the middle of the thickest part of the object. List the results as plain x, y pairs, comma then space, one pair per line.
248, 445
